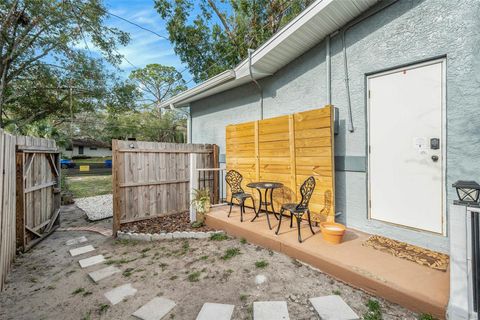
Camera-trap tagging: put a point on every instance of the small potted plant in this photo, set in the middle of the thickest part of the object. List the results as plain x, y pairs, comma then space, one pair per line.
201, 202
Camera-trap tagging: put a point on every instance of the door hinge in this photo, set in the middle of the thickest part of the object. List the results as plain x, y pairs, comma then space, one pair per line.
369, 149
368, 94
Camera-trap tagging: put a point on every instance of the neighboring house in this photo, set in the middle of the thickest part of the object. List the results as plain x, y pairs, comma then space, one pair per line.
404, 76
87, 148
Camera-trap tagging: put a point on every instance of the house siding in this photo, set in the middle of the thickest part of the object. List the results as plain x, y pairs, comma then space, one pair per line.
404, 33
87, 152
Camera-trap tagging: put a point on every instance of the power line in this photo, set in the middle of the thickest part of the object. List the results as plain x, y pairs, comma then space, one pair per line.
214, 64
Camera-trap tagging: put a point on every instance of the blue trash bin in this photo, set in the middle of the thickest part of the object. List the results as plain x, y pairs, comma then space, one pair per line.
107, 163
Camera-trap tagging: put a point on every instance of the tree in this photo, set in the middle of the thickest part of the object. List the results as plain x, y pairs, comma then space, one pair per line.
40, 43
158, 83
219, 36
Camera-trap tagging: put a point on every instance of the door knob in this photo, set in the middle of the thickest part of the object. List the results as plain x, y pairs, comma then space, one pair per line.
435, 158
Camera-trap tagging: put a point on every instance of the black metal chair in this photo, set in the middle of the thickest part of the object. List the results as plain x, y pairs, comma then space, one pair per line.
234, 180
299, 209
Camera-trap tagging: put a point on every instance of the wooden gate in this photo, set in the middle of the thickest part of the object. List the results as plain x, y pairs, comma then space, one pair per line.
287, 149
38, 190
152, 179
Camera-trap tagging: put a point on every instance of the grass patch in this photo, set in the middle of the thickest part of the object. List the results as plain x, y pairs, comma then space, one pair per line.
197, 224
244, 297
204, 258
89, 186
119, 261
194, 276
425, 316
78, 290
230, 253
261, 264
103, 308
337, 292
243, 241
218, 237
128, 272
374, 311
87, 293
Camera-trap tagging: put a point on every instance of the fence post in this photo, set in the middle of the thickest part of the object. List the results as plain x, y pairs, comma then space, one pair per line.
193, 184
116, 195
215, 174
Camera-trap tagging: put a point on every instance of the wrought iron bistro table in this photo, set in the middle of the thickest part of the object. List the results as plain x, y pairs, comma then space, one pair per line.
265, 201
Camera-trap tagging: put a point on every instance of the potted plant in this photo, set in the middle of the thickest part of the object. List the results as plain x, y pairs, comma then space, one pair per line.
201, 202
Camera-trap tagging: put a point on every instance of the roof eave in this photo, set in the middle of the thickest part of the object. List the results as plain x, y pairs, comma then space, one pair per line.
217, 80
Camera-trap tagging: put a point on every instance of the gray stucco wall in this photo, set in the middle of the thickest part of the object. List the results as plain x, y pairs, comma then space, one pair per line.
404, 33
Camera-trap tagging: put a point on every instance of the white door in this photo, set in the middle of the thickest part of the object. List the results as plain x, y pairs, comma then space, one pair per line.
405, 160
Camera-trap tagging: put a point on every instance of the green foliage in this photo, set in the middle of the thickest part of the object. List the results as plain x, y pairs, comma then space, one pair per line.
243, 297
261, 264
230, 253
374, 311
158, 82
103, 308
194, 276
128, 272
218, 37
45, 53
197, 224
218, 237
78, 290
425, 316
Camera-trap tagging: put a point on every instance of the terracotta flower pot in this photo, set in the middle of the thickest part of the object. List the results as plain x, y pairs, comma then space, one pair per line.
332, 232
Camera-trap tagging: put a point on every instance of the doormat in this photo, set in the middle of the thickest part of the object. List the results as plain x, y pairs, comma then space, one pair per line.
425, 257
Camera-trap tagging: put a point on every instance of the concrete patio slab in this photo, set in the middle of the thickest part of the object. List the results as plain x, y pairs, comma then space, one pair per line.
119, 293
81, 250
270, 310
87, 262
101, 274
155, 309
416, 287
76, 240
216, 311
333, 308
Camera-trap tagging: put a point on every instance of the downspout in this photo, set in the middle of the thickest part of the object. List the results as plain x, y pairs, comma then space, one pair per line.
351, 128
260, 89
367, 15
329, 71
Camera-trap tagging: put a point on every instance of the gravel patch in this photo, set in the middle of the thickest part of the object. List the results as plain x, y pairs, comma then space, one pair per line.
97, 207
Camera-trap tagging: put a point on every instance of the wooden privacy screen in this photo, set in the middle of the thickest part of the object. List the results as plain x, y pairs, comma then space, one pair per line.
7, 204
287, 149
151, 179
38, 190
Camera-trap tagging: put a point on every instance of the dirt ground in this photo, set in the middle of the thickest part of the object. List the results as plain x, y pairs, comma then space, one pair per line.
47, 283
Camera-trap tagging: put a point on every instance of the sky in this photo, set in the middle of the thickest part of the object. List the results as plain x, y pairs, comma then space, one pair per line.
144, 47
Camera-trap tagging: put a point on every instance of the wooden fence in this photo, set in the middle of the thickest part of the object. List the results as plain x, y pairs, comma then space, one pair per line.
7, 205
152, 179
38, 190
29, 194
287, 149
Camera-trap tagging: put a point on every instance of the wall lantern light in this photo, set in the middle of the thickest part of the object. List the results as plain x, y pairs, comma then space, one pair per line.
468, 191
